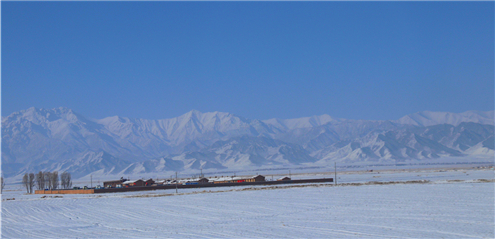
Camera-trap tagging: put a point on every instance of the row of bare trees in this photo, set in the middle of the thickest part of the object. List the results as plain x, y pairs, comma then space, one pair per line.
28, 181
46, 180
2, 183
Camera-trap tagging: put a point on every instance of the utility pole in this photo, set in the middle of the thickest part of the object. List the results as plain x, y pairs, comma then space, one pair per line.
335, 173
290, 175
91, 180
176, 182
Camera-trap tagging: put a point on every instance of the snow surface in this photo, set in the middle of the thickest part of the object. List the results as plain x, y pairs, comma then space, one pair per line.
453, 205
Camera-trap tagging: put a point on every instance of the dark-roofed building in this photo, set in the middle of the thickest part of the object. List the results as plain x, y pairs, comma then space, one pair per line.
149, 182
259, 178
114, 183
203, 180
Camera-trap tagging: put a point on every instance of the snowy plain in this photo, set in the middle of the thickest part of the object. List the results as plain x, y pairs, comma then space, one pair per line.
453, 204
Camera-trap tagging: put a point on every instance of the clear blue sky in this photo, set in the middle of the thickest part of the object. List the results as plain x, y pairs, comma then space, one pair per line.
356, 60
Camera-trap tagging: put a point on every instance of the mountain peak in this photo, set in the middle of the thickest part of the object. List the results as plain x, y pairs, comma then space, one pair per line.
194, 112
304, 122
42, 115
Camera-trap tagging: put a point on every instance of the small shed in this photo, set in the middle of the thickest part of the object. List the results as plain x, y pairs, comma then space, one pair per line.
203, 180
149, 182
259, 178
284, 179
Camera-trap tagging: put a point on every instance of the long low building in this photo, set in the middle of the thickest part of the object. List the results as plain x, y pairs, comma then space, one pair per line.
114, 183
138, 183
256, 178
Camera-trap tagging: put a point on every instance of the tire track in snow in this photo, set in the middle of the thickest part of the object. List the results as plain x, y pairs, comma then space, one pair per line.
402, 229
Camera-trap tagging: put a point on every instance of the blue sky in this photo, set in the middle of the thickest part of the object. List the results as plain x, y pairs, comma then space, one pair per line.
356, 60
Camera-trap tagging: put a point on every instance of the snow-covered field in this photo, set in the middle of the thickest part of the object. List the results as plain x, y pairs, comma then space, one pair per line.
454, 204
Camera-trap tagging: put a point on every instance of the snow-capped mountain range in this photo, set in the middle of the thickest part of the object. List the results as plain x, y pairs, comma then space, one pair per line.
61, 139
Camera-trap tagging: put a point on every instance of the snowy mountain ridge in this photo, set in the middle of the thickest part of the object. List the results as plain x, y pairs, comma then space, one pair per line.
61, 139
428, 118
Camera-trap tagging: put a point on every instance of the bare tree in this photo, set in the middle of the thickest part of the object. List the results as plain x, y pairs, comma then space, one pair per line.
65, 179
2, 182
40, 181
31, 182
48, 180
25, 181
69, 180
54, 180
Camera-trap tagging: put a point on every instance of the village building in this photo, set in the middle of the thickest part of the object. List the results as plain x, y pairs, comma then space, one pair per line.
114, 183
257, 178
203, 180
149, 182
133, 183
284, 179
160, 182
224, 179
